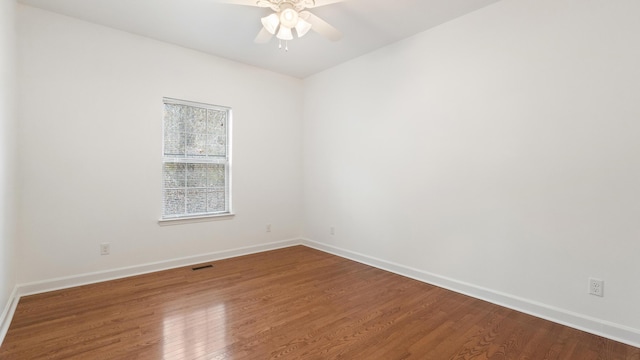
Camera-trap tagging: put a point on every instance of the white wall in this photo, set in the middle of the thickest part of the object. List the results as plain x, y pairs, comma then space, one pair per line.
7, 135
90, 137
498, 153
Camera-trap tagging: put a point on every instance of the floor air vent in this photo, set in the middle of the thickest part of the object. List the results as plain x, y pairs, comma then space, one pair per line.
202, 267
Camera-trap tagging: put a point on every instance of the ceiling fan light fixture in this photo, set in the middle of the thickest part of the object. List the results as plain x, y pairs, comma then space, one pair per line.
271, 23
289, 17
292, 14
284, 33
302, 27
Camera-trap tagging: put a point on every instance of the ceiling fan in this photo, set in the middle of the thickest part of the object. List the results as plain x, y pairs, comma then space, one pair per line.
289, 15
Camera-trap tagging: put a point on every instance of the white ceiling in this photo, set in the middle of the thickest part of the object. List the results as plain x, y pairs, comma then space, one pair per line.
226, 30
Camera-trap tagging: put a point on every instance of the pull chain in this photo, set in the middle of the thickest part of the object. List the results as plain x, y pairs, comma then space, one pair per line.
286, 45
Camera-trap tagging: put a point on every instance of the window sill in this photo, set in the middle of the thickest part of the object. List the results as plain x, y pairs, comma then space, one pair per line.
195, 219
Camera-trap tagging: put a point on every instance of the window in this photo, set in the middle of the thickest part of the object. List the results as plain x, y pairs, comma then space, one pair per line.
196, 160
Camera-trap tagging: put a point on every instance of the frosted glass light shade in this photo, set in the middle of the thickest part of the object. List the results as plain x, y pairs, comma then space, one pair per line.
271, 23
284, 33
302, 27
289, 18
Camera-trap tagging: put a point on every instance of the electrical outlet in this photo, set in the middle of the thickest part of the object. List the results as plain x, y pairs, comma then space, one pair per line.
268, 227
332, 230
596, 287
105, 248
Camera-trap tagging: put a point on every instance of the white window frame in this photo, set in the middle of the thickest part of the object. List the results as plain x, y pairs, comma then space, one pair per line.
226, 161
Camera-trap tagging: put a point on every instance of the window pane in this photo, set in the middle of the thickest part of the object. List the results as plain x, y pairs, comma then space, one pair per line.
215, 201
174, 202
174, 175
196, 144
174, 143
216, 122
217, 145
196, 120
215, 176
196, 201
197, 175
173, 122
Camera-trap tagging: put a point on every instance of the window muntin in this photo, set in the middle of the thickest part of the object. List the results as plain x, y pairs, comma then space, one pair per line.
196, 160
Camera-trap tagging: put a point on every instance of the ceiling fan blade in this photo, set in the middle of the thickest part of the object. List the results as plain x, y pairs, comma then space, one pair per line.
321, 27
318, 3
263, 37
264, 3
259, 3
237, 2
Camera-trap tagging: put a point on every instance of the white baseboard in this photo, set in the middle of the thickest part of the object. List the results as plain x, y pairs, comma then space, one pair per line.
7, 313
100, 276
617, 332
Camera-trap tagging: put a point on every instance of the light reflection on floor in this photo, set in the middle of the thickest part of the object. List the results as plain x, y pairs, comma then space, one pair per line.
195, 334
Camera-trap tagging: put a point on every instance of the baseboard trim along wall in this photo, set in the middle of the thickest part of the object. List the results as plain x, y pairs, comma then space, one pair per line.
595, 326
90, 278
617, 332
7, 313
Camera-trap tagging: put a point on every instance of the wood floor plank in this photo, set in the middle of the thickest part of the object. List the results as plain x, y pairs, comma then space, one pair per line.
292, 303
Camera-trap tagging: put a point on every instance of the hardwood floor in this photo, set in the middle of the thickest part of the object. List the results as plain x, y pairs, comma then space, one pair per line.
293, 303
